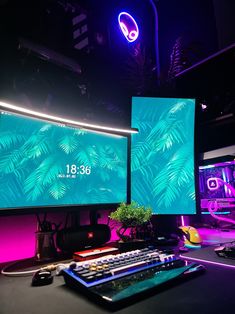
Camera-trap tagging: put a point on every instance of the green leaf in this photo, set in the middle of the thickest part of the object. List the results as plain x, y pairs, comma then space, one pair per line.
138, 155
142, 188
36, 146
179, 106
58, 189
87, 155
143, 126
190, 191
132, 214
177, 174
181, 165
9, 139
45, 174
166, 134
68, 144
11, 160
14, 190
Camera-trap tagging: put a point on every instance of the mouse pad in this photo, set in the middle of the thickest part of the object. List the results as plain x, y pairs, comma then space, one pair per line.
208, 254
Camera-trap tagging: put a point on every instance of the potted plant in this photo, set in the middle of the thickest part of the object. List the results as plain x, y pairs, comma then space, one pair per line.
130, 216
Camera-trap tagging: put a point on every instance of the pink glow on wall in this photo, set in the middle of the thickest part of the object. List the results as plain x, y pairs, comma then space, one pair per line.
17, 233
17, 237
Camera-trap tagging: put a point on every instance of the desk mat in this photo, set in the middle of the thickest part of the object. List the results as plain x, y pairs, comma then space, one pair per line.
208, 255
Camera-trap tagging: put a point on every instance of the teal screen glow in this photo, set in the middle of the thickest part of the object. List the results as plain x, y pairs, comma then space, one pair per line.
162, 154
48, 164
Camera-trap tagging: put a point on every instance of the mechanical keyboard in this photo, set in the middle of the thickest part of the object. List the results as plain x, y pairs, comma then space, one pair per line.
117, 277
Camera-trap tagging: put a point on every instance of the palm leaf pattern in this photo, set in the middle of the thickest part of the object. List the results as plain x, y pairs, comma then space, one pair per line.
9, 139
35, 154
58, 189
68, 143
162, 156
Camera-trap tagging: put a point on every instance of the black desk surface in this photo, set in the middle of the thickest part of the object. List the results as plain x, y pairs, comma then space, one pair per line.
212, 292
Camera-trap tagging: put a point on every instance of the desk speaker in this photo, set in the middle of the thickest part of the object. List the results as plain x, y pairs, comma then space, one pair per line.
71, 240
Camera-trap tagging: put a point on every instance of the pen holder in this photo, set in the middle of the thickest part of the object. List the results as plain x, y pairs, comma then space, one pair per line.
45, 246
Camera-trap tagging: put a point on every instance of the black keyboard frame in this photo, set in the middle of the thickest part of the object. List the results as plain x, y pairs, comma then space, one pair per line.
69, 272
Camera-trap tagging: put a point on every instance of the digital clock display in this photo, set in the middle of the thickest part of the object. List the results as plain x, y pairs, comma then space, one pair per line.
74, 169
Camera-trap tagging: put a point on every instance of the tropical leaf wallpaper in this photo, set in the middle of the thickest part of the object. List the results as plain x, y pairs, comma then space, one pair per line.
45, 164
162, 154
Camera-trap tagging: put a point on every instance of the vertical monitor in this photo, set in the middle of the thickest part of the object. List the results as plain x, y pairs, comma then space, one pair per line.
162, 155
47, 164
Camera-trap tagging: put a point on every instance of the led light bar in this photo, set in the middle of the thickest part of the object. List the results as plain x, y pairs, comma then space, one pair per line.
38, 114
205, 261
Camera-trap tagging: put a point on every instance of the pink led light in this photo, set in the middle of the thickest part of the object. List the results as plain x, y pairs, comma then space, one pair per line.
204, 107
208, 262
213, 206
212, 184
182, 221
128, 26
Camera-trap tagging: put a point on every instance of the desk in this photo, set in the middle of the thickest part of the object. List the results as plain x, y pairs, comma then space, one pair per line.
212, 292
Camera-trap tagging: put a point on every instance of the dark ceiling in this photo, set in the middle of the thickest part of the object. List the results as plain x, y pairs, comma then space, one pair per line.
69, 57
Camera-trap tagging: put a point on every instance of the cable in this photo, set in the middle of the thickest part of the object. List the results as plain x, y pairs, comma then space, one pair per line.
58, 267
154, 7
17, 273
212, 211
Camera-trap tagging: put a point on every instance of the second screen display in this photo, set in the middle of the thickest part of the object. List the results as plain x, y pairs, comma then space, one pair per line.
162, 154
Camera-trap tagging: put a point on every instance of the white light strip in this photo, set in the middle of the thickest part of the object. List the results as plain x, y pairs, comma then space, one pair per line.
63, 120
208, 262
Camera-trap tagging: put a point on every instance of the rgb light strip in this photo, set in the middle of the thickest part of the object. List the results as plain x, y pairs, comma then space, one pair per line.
208, 262
213, 206
38, 114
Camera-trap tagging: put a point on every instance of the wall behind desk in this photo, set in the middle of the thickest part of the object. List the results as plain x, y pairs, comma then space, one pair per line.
17, 233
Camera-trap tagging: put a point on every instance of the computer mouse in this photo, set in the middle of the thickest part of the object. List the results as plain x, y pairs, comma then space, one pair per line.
42, 277
191, 236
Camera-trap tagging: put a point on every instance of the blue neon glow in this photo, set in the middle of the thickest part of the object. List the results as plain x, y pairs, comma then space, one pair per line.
69, 272
193, 246
217, 213
128, 26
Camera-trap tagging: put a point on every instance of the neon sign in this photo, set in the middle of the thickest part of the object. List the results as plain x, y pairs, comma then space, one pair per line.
128, 26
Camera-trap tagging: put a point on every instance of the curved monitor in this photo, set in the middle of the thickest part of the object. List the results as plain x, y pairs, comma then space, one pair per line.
52, 165
162, 155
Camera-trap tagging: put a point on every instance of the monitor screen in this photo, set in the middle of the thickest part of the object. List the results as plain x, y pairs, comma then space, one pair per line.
162, 154
47, 164
211, 187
